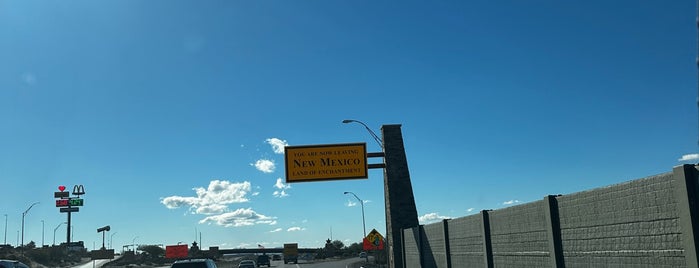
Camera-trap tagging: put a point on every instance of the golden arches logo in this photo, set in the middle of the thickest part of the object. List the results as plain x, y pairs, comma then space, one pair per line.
78, 190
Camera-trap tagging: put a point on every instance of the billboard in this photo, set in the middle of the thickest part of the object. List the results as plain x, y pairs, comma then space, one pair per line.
176, 251
325, 162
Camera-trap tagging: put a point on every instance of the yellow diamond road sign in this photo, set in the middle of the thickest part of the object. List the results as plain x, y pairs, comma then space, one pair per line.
374, 236
325, 162
373, 241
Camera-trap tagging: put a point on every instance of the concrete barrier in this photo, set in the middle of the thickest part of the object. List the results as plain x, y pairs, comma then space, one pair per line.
649, 222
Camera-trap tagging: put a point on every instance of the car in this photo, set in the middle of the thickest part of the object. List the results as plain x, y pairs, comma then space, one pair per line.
194, 263
247, 264
362, 254
12, 264
263, 260
277, 258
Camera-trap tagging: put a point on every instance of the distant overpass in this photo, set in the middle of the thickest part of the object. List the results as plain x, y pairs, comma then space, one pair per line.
263, 250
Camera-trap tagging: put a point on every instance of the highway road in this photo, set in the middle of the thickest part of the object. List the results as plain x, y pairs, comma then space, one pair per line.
318, 264
304, 264
90, 264
280, 264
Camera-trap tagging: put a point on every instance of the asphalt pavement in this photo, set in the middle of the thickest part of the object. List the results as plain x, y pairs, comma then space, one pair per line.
92, 264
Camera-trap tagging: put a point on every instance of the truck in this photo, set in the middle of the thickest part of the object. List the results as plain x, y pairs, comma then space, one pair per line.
291, 253
263, 260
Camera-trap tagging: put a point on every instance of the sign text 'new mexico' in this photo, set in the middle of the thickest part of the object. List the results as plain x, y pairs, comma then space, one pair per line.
325, 162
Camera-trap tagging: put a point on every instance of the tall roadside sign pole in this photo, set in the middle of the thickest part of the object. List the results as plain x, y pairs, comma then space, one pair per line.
309, 163
67, 204
401, 212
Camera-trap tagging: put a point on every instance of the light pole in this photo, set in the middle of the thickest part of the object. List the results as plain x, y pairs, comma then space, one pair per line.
42, 233
373, 135
133, 244
5, 230
54, 232
110, 240
24, 214
363, 222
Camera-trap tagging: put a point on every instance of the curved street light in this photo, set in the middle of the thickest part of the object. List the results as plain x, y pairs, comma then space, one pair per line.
362, 203
54, 231
111, 237
24, 214
363, 222
373, 135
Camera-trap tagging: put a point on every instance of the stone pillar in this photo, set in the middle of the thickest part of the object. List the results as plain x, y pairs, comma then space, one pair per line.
687, 188
401, 212
553, 229
487, 244
447, 249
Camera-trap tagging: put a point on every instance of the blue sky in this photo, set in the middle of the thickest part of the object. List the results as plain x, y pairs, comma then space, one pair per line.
163, 109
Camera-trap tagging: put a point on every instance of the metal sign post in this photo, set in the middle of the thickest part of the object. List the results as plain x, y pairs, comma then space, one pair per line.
68, 204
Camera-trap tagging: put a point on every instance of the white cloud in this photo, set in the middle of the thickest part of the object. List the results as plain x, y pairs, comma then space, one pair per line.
264, 165
276, 230
281, 192
173, 202
211, 200
350, 203
211, 209
470, 209
511, 202
277, 145
295, 229
689, 157
431, 217
239, 217
280, 184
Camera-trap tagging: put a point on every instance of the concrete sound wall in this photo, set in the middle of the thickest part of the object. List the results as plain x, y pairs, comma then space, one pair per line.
649, 222
466, 242
433, 241
634, 223
411, 247
518, 236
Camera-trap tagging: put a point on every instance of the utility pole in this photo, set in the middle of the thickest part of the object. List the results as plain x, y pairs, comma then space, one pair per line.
42, 233
5, 230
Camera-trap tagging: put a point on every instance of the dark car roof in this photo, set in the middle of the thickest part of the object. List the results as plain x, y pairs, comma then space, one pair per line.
193, 263
14, 263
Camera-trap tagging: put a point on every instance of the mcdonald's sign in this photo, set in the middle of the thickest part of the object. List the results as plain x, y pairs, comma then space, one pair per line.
78, 190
